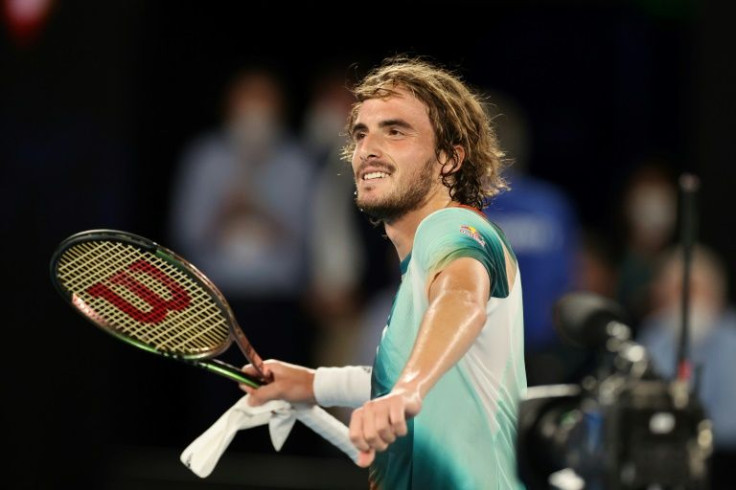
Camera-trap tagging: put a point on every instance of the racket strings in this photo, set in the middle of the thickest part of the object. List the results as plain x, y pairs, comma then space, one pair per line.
144, 297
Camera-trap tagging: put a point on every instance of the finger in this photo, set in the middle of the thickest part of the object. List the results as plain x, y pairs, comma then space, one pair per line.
266, 374
266, 369
247, 388
250, 370
398, 420
355, 430
259, 377
384, 429
374, 422
365, 458
266, 393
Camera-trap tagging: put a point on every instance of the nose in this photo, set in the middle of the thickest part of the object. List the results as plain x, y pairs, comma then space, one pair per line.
368, 148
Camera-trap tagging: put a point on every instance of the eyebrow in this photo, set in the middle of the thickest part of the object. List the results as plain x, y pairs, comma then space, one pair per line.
383, 124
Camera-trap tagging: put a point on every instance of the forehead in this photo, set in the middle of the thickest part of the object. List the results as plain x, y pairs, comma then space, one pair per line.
401, 104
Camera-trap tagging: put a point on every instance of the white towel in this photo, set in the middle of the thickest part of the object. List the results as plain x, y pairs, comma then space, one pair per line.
202, 455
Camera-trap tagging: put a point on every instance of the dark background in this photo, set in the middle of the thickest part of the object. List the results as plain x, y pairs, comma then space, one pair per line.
96, 107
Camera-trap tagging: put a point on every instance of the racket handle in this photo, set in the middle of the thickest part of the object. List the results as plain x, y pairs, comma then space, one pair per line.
224, 369
329, 427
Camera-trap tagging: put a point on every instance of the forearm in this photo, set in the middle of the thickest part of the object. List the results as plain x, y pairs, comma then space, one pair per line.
348, 386
447, 331
452, 322
457, 299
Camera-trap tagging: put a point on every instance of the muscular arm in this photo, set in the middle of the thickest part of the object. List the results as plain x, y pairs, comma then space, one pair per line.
456, 314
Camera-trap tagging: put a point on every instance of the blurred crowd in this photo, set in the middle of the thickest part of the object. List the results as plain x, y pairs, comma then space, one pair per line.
265, 208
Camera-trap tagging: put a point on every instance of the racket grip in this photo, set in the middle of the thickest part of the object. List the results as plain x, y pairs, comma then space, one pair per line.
329, 427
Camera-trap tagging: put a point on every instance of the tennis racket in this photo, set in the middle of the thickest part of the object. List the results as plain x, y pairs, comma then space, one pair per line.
151, 298
148, 296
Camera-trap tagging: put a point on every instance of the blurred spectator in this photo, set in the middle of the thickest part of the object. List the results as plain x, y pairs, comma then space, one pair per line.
649, 221
712, 329
238, 212
349, 261
334, 239
596, 264
541, 223
323, 125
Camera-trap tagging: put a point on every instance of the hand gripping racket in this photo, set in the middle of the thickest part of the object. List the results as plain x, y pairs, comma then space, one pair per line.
153, 299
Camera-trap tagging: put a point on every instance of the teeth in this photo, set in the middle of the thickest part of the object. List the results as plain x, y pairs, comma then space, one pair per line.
375, 175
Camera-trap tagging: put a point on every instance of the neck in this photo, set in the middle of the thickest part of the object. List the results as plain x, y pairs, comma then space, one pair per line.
402, 230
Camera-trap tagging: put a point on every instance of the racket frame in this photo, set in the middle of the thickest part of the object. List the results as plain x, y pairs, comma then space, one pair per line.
204, 359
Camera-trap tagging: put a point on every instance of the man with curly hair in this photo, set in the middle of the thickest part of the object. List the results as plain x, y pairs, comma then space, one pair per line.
438, 408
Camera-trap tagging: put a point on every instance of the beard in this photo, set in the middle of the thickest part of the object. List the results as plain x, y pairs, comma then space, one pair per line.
402, 200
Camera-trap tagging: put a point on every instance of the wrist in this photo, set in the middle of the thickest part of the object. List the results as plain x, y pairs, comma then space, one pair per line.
348, 386
308, 383
411, 395
411, 385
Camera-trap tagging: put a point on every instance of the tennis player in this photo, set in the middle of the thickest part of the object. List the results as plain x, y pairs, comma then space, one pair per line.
438, 408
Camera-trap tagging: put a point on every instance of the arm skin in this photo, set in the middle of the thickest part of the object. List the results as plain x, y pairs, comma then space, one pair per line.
456, 315
292, 383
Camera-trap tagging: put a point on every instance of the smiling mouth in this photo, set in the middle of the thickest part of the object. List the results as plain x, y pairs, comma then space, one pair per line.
374, 176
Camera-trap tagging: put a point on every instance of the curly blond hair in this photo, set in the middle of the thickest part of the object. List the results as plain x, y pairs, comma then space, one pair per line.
458, 114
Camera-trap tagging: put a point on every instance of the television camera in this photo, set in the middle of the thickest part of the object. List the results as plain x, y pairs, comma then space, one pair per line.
623, 427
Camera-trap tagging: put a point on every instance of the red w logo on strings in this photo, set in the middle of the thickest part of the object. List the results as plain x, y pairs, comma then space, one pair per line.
180, 299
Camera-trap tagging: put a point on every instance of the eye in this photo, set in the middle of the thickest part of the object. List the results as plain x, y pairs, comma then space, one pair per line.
395, 132
358, 135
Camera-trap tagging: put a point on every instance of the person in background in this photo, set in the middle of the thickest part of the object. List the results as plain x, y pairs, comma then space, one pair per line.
712, 346
237, 212
438, 408
350, 264
541, 223
596, 268
648, 215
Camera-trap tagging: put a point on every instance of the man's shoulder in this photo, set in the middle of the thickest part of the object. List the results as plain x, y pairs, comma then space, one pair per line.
457, 225
452, 217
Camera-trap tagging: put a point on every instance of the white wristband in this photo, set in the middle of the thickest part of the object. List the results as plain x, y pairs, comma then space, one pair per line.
348, 386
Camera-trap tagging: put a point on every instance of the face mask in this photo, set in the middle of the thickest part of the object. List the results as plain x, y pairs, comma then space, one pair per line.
652, 210
254, 131
323, 127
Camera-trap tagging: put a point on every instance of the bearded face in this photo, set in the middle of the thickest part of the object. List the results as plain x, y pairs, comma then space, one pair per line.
407, 192
395, 165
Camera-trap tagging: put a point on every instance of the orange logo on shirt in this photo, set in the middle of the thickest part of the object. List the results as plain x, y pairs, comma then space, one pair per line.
472, 233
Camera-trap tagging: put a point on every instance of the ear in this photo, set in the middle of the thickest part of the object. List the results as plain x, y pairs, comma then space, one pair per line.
453, 163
